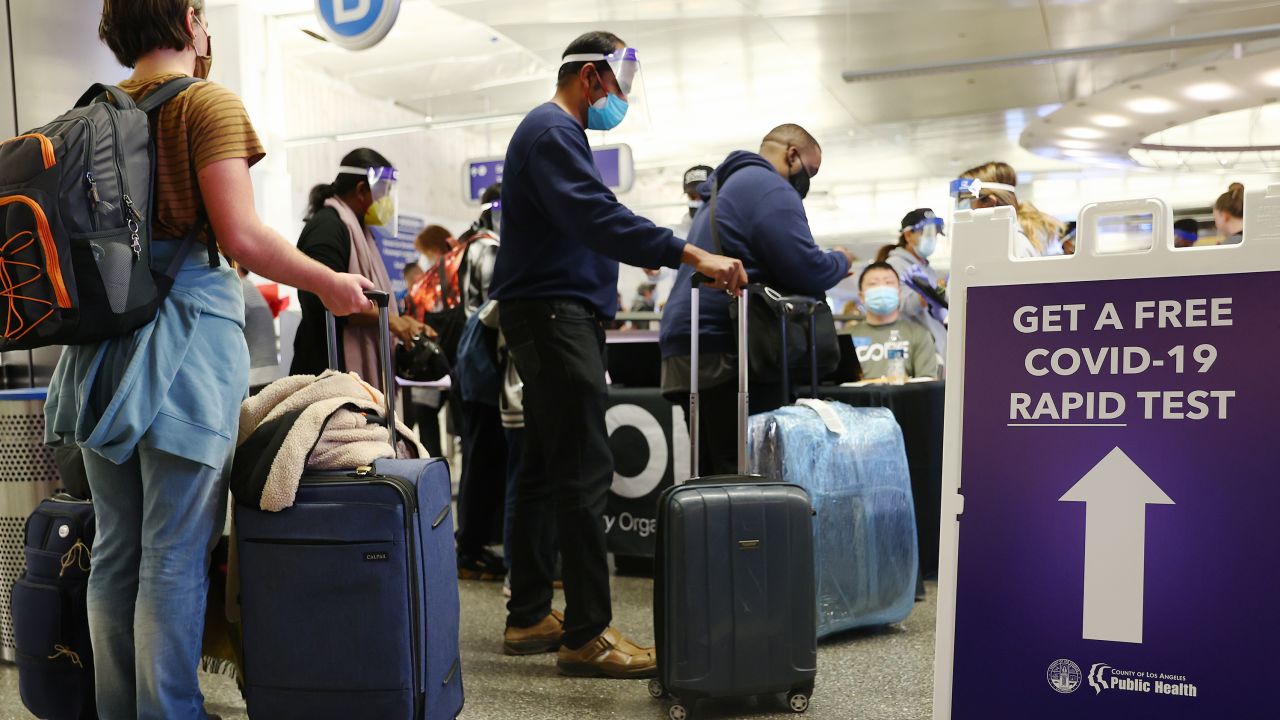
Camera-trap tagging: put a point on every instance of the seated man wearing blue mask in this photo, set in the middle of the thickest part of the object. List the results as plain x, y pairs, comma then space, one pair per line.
879, 289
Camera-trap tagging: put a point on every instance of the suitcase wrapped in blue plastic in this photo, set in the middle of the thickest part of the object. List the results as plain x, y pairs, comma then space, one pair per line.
854, 466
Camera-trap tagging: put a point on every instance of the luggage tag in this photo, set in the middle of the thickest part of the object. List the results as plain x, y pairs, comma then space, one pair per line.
829, 416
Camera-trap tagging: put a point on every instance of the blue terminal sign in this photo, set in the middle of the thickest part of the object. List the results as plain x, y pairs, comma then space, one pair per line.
357, 24
613, 162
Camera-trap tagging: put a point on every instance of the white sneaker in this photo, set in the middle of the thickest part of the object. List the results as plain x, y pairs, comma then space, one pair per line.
506, 586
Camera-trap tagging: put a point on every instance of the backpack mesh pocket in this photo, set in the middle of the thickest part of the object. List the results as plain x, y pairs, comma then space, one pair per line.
114, 257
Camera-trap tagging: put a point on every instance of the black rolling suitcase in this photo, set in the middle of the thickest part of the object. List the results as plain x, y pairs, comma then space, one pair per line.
734, 606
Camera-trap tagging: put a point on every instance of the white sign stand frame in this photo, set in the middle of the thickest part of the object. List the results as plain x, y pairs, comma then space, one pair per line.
982, 242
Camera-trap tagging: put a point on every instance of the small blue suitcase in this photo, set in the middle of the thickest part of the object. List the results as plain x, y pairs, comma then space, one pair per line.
50, 616
854, 465
349, 599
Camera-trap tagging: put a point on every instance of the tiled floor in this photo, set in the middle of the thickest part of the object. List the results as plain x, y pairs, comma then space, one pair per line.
880, 675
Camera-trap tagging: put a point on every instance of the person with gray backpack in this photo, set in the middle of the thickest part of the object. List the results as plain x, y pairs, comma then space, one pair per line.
111, 213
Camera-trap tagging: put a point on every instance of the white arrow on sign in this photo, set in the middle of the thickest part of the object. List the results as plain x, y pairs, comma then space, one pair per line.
1116, 493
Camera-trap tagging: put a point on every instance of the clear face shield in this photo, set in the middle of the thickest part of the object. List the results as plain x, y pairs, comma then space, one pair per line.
383, 213
928, 230
607, 112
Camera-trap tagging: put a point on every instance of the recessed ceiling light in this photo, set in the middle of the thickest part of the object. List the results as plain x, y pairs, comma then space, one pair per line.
1077, 144
1084, 133
1080, 153
1209, 91
1111, 121
1272, 78
1150, 106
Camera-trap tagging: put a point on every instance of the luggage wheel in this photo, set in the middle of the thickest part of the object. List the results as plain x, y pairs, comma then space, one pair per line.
678, 712
798, 701
656, 690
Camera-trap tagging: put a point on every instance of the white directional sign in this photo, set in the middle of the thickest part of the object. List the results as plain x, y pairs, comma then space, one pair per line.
1116, 493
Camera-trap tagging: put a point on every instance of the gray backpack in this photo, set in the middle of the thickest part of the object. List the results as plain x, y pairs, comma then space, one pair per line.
76, 203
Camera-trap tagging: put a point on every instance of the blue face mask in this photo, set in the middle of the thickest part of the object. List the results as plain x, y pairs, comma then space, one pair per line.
881, 300
928, 241
606, 113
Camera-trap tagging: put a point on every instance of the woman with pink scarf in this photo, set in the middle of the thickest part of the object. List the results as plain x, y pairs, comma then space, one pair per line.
338, 235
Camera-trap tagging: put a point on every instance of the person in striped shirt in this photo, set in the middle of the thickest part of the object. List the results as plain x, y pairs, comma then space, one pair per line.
156, 410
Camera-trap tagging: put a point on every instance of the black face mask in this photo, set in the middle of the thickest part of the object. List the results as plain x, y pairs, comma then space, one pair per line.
800, 181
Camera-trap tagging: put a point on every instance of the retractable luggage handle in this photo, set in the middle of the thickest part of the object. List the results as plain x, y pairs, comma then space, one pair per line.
383, 301
698, 280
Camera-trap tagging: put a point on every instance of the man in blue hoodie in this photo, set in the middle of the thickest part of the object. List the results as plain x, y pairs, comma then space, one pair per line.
563, 235
761, 220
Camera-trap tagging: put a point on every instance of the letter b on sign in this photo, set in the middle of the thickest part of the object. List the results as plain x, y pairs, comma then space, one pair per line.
343, 14
357, 24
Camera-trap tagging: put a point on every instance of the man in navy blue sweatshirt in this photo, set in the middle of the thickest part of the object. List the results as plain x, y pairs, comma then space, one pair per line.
563, 235
761, 220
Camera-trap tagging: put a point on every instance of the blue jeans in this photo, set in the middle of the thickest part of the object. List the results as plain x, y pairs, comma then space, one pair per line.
158, 518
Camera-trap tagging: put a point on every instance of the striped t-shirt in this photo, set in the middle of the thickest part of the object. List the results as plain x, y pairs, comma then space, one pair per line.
202, 125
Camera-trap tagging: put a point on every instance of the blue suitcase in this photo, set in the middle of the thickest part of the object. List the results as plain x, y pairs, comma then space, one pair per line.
50, 617
349, 599
734, 610
865, 543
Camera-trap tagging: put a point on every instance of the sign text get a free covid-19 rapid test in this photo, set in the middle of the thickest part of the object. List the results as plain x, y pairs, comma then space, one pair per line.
1082, 322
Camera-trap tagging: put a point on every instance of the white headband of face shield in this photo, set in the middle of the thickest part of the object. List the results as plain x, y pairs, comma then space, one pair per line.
918, 227
976, 186
623, 62
386, 174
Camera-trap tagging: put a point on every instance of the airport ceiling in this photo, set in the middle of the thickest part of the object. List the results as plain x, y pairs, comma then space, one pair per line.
718, 73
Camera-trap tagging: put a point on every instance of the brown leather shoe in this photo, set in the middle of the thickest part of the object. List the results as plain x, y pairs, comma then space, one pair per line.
609, 654
541, 638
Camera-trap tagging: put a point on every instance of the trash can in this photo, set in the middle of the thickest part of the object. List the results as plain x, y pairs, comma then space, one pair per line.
27, 476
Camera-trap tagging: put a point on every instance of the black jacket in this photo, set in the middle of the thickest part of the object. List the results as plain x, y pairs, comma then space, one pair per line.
326, 240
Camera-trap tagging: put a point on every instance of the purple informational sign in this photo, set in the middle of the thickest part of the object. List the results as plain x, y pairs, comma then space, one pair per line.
608, 162
613, 161
1118, 543
481, 174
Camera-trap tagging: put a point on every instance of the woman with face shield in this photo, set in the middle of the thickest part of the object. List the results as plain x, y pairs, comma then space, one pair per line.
923, 291
995, 184
339, 234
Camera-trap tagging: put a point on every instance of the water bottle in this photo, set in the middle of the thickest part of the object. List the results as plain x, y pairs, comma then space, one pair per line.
896, 353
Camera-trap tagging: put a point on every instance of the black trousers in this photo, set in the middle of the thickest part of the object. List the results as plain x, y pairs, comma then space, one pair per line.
718, 422
482, 489
427, 419
558, 347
